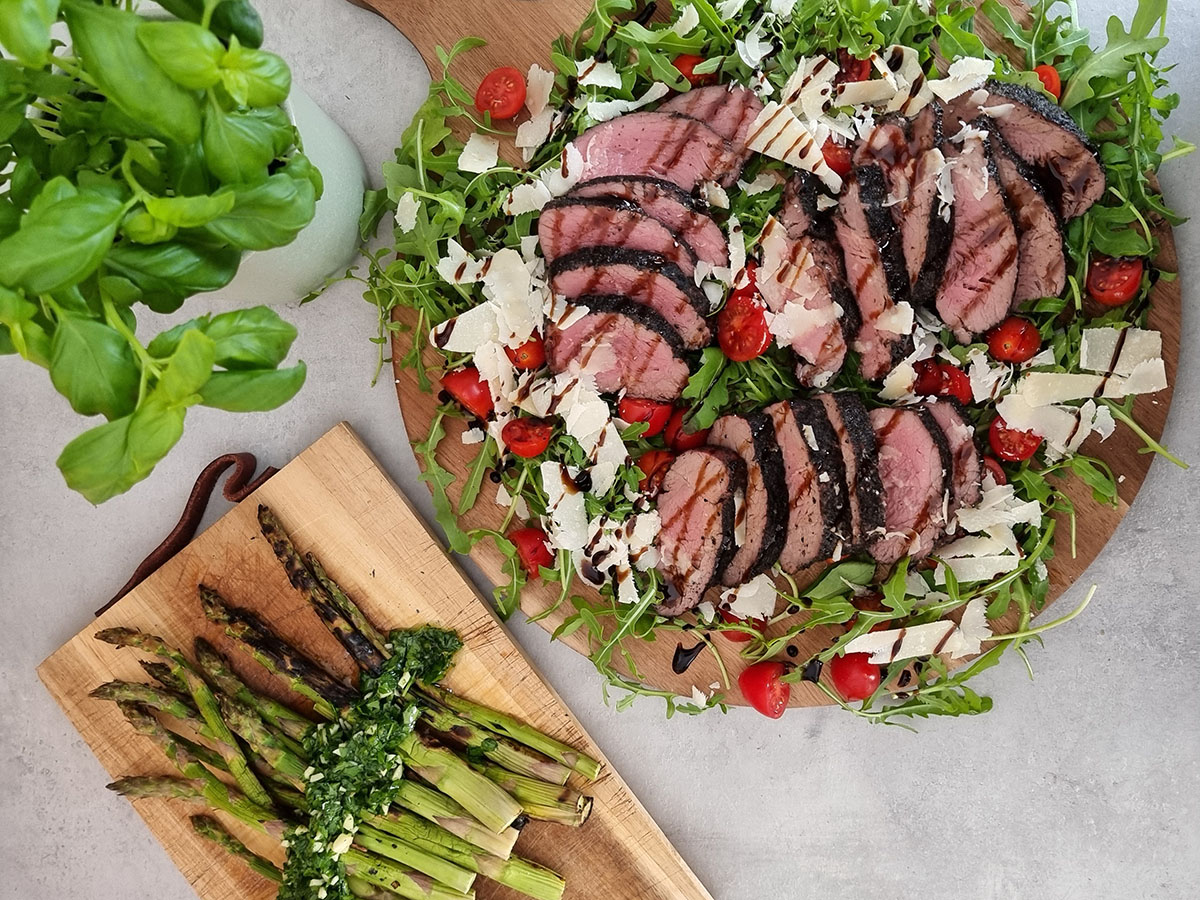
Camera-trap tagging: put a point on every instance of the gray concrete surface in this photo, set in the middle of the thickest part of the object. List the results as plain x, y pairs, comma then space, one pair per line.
1081, 784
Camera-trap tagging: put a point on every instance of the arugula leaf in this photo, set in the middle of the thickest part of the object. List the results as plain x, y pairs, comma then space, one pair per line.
1118, 58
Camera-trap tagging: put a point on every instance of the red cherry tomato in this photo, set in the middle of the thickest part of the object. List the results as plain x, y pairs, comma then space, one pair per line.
533, 550
955, 383
471, 391
502, 93
686, 63
854, 676
941, 379
529, 356
1050, 79
654, 465
851, 68
1010, 444
993, 465
740, 637
527, 437
1015, 340
653, 412
837, 156
929, 377
1112, 282
742, 328
678, 439
762, 688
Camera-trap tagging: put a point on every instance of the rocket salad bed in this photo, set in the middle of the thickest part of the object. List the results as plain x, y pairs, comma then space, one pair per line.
1061, 368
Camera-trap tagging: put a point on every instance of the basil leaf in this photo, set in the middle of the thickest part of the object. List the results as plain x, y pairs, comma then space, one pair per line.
61, 245
25, 29
237, 146
255, 77
190, 212
255, 338
105, 39
93, 366
254, 390
190, 366
142, 228
300, 166
167, 273
189, 54
23, 335
269, 214
231, 18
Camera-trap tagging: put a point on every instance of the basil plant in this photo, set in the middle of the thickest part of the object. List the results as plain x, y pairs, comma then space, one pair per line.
137, 163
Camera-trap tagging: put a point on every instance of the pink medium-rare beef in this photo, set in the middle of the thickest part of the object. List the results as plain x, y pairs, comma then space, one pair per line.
925, 129
764, 511
729, 110
1046, 137
696, 508
646, 278
966, 461
875, 268
914, 467
815, 479
624, 345
1041, 260
851, 424
980, 278
671, 205
926, 228
568, 224
665, 145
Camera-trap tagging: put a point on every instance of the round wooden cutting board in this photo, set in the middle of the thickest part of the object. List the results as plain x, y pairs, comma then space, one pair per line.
520, 32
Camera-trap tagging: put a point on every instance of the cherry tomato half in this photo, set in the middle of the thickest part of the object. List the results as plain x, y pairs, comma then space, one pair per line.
1015, 340
762, 688
993, 465
502, 93
654, 413
854, 676
471, 391
1114, 281
837, 156
686, 63
742, 328
678, 439
533, 549
654, 465
851, 68
740, 637
527, 437
1010, 444
1050, 79
529, 356
941, 379
929, 377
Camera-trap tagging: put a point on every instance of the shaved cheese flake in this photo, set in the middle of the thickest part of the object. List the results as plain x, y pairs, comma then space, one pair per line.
705, 611
534, 132
763, 182
1042, 358
480, 153
999, 507
603, 110
976, 568
874, 92
508, 284
755, 46
782, 8
592, 73
728, 9
998, 110
528, 197
473, 436
1099, 346
739, 519
777, 133
714, 195
468, 331
564, 174
1004, 541
688, 19
538, 84
753, 600
973, 627
568, 523
497, 370
458, 266
809, 90
737, 247
406, 212
987, 381
945, 186
898, 319
912, 88
965, 74
1147, 377
905, 643
899, 382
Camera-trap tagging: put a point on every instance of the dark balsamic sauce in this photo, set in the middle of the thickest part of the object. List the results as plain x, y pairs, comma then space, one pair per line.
683, 659
812, 670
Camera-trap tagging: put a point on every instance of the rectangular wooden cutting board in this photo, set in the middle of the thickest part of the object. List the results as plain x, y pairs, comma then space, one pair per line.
337, 502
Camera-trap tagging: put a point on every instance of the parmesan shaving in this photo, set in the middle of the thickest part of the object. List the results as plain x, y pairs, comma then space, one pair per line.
753, 600
603, 110
406, 211
480, 153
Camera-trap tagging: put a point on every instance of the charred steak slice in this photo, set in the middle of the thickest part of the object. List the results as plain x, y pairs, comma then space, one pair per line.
643, 277
569, 223
665, 145
816, 485
671, 205
624, 345
727, 110
980, 280
765, 508
875, 268
696, 507
966, 460
851, 425
914, 465
1046, 137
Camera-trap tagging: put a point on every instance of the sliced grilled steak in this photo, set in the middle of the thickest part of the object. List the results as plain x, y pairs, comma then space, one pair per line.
727, 110
1041, 261
926, 129
696, 506
765, 508
914, 465
926, 229
966, 460
643, 277
569, 223
851, 425
875, 268
1047, 138
665, 145
671, 205
980, 280
816, 484
624, 345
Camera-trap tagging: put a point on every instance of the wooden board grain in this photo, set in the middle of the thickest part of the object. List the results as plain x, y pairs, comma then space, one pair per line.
338, 503
521, 41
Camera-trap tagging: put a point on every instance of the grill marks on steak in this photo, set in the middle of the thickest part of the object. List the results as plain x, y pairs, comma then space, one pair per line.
674, 147
572, 223
671, 205
727, 110
851, 425
914, 466
765, 508
980, 280
624, 344
643, 277
966, 460
696, 508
